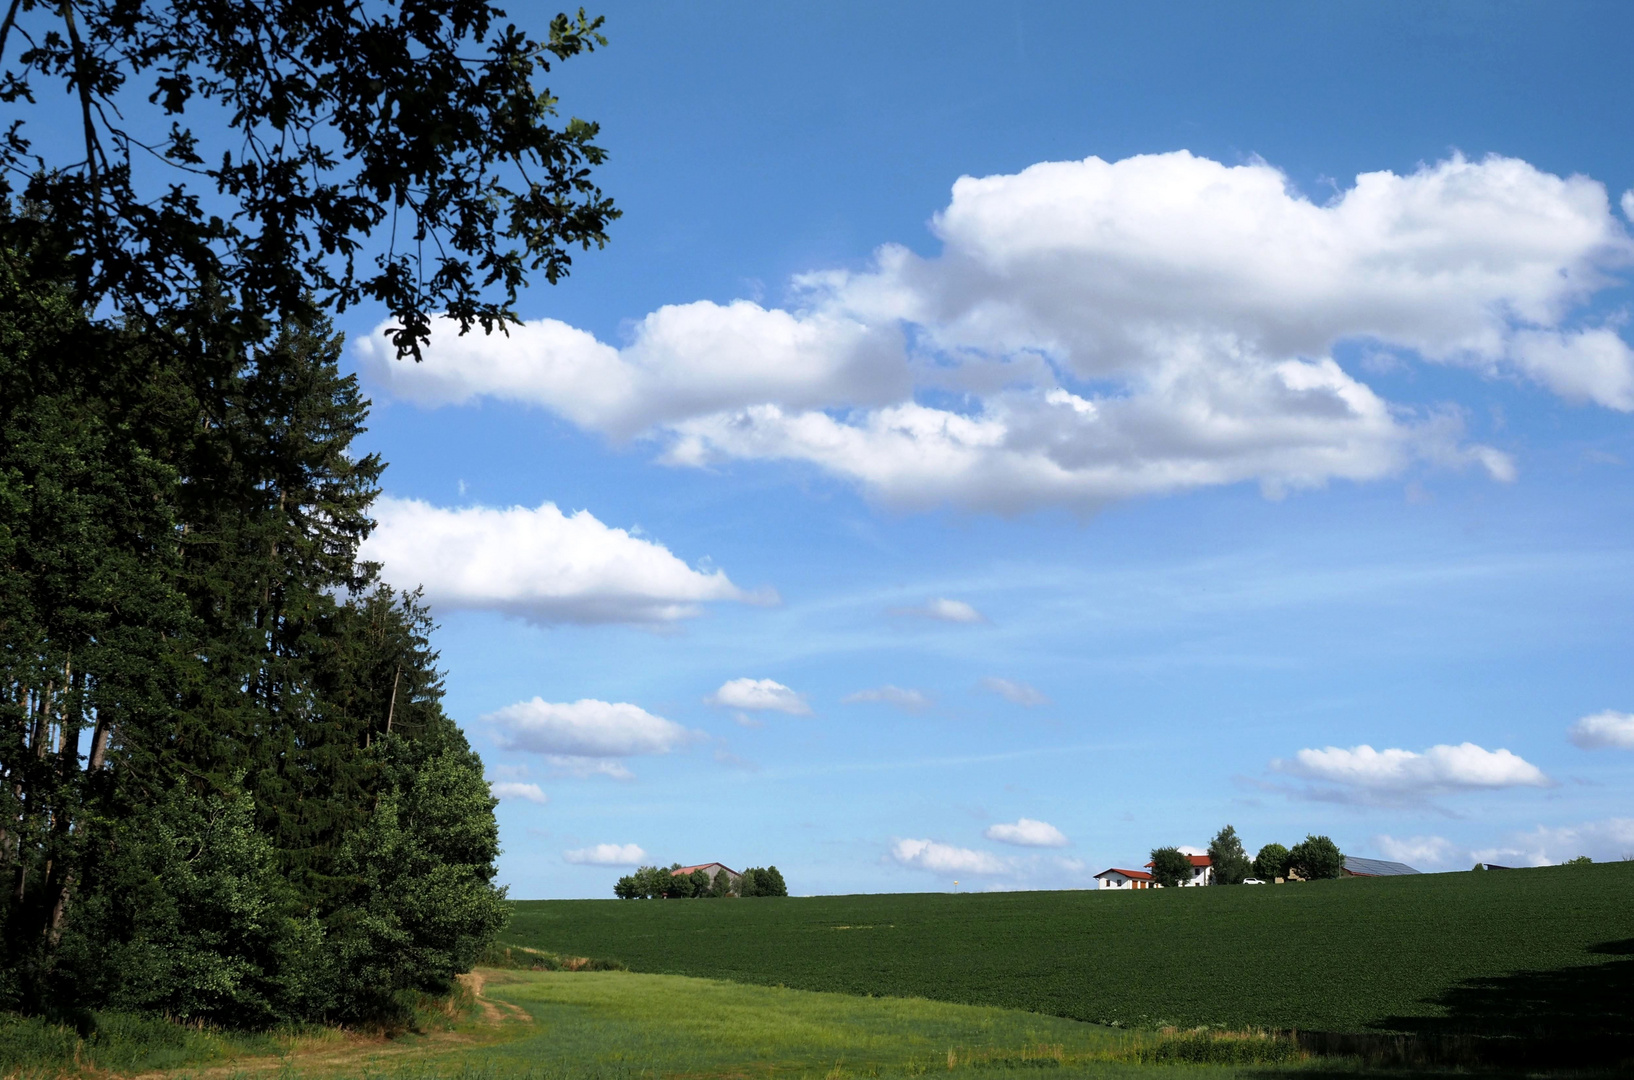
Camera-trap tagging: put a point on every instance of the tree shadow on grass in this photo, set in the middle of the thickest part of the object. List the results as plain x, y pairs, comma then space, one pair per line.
1571, 1018
1584, 1002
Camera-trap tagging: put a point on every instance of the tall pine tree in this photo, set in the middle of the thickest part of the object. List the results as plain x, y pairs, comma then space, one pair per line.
273, 817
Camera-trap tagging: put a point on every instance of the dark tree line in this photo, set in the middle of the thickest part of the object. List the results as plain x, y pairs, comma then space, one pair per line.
1312, 859
228, 789
659, 883
227, 785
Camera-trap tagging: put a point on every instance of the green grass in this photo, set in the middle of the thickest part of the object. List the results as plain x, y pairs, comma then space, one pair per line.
611, 1024
1541, 952
117, 1042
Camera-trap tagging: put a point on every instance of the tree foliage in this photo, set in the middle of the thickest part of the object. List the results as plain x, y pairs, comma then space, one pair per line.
273, 818
1227, 857
762, 881
254, 147
1170, 867
1271, 862
1316, 858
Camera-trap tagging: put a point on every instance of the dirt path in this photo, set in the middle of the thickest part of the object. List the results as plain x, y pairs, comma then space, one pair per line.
322, 1055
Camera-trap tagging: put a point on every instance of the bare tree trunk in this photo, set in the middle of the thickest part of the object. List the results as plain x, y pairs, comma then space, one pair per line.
393, 710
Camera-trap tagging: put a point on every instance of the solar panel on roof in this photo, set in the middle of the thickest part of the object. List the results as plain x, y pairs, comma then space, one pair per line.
1376, 867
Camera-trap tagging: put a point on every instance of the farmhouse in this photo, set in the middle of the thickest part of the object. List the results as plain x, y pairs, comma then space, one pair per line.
1202, 871
1355, 867
1117, 878
733, 878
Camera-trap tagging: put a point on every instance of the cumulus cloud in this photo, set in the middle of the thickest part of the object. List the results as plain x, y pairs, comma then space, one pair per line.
1093, 330
1403, 773
512, 789
943, 610
1017, 693
946, 859
1417, 851
541, 565
583, 738
1605, 840
606, 855
1604, 730
758, 695
908, 700
1027, 833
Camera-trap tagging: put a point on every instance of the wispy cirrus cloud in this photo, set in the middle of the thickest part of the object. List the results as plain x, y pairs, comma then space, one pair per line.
941, 609
1013, 691
906, 700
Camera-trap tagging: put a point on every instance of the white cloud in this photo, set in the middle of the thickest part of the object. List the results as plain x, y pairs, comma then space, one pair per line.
1027, 833
946, 859
606, 855
582, 767
579, 738
943, 610
1604, 730
1017, 693
512, 789
1605, 840
1417, 851
1405, 773
684, 360
1098, 330
541, 564
909, 700
758, 695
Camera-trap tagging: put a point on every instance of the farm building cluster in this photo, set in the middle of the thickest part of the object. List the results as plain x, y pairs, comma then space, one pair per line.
1202, 873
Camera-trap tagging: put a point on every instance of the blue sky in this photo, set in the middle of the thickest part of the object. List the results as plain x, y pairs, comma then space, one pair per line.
1085, 508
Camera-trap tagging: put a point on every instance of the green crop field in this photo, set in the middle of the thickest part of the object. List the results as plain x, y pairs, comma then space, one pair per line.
1547, 952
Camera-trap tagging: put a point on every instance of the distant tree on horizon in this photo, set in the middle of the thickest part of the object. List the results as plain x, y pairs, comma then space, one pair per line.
1316, 858
1229, 860
1271, 863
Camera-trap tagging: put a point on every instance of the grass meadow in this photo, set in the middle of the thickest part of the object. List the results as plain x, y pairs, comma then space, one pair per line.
588, 1025
1545, 953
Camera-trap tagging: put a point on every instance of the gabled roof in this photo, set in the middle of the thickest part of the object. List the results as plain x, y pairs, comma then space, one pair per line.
1375, 867
1138, 875
704, 866
1200, 861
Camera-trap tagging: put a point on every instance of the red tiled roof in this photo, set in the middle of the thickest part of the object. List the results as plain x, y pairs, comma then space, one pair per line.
1198, 861
704, 866
1138, 875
